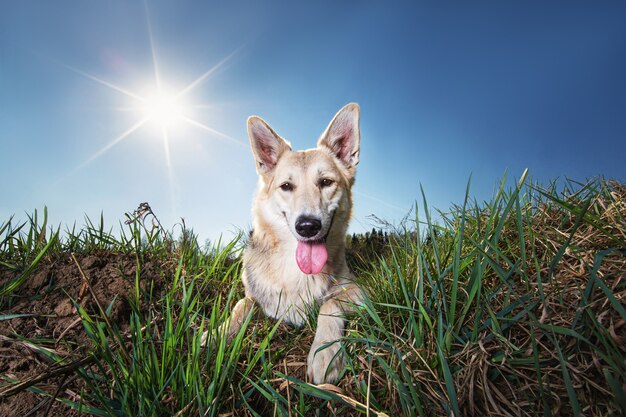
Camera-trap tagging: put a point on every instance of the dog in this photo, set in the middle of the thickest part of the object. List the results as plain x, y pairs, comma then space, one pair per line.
295, 257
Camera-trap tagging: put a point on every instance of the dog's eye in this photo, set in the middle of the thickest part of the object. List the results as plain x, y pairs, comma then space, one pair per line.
326, 182
286, 186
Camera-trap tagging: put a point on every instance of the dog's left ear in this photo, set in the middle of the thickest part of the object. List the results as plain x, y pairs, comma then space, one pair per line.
343, 137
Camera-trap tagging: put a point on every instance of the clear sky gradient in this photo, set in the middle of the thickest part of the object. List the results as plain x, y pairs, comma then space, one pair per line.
446, 91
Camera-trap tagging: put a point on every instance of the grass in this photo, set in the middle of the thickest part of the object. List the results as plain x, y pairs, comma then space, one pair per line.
513, 306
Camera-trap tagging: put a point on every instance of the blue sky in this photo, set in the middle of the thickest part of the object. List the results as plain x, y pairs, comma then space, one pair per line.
446, 91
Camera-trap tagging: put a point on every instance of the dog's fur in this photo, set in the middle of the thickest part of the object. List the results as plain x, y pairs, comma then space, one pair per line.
311, 184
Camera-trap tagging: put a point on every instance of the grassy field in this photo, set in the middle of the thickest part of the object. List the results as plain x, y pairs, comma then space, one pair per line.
513, 306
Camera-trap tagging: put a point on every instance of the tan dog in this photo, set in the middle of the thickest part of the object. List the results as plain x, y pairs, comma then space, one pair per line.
296, 254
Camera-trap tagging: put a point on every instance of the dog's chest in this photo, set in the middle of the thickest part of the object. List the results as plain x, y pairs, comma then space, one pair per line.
281, 289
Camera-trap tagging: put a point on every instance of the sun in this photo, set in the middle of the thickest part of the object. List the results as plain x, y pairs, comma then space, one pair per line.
168, 110
158, 106
163, 109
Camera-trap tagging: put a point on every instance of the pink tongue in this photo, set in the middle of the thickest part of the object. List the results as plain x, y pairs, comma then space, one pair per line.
311, 257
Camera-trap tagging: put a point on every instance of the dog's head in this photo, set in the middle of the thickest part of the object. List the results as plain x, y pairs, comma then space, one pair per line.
307, 190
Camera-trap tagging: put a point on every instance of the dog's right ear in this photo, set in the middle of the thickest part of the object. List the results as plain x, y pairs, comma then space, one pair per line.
267, 146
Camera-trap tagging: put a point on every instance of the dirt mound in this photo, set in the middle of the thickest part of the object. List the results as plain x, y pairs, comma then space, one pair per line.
44, 309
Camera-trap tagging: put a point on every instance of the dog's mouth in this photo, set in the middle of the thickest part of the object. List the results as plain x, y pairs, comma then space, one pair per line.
311, 252
311, 256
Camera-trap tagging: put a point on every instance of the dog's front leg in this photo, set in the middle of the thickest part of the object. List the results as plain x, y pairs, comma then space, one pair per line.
237, 317
325, 363
230, 328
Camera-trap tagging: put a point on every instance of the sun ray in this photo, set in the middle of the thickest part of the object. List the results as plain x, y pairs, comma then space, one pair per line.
107, 84
157, 75
170, 168
381, 201
211, 130
166, 147
207, 74
112, 144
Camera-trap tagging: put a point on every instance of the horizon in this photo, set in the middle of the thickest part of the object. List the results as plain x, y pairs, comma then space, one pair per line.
89, 124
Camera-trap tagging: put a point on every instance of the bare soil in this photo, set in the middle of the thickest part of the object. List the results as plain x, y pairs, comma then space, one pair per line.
46, 309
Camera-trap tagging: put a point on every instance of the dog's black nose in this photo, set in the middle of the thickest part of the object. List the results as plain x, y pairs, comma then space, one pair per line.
308, 226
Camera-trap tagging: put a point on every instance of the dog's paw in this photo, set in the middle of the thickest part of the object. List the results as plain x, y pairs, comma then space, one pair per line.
324, 363
211, 339
206, 339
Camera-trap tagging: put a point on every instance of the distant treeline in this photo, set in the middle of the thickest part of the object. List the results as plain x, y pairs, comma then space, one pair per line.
364, 248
